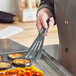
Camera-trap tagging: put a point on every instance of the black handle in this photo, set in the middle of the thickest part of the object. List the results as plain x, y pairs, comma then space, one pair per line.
48, 21
43, 30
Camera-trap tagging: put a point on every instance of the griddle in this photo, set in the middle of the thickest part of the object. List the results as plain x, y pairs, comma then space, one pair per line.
47, 63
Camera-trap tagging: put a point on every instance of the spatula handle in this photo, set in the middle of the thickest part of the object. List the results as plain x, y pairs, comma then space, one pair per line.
43, 30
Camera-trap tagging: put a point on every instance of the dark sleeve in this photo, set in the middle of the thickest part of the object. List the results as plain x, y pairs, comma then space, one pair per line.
48, 4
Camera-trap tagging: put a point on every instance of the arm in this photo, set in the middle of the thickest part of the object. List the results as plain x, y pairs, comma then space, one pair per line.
46, 9
49, 4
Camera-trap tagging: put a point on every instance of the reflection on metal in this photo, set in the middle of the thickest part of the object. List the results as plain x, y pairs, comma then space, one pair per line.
55, 65
48, 64
9, 46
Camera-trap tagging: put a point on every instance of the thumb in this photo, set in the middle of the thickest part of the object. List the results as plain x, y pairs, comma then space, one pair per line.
43, 22
51, 23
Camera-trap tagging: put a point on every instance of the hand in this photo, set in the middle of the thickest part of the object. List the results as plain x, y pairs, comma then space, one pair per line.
42, 17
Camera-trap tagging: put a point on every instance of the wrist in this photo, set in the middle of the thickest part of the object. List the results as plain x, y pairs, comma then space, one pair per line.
45, 10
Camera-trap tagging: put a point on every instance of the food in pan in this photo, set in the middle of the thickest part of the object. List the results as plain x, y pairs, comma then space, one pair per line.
15, 55
5, 65
27, 71
1, 58
21, 62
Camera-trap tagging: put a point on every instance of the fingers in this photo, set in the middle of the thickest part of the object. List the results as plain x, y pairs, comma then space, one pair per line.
43, 22
42, 17
38, 24
51, 23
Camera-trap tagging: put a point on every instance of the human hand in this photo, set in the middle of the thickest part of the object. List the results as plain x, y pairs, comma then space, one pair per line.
42, 17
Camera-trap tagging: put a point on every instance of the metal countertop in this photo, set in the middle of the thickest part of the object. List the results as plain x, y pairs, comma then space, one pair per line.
47, 63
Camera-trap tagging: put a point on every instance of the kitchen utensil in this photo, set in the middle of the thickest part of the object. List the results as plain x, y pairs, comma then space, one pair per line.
35, 51
47, 63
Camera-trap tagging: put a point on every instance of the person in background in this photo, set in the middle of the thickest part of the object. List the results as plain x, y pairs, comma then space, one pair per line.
62, 13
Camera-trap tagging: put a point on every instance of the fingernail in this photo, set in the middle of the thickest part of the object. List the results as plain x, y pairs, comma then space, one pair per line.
45, 25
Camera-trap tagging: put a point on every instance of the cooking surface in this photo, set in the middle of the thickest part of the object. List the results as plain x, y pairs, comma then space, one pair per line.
29, 34
47, 63
50, 66
8, 46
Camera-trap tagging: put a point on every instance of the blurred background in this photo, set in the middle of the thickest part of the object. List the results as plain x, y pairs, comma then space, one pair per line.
18, 23
20, 8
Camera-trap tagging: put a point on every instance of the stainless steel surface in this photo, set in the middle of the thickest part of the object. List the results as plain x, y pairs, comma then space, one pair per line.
52, 50
54, 64
48, 64
35, 51
9, 46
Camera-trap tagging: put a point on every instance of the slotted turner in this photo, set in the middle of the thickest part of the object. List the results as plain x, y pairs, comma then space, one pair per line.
35, 51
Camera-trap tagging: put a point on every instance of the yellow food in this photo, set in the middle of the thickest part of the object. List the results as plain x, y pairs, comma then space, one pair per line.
21, 62
1, 58
27, 71
4, 65
15, 55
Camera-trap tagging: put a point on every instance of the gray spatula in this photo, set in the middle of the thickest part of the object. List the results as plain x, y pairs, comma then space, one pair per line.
35, 51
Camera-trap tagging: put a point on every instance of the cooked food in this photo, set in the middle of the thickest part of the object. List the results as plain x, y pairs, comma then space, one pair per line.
27, 71
1, 58
5, 65
15, 55
21, 62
